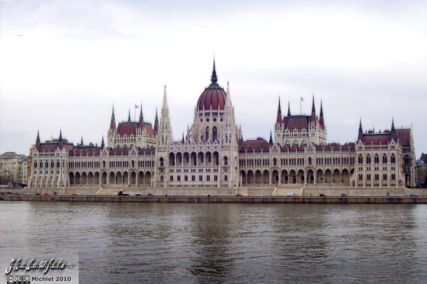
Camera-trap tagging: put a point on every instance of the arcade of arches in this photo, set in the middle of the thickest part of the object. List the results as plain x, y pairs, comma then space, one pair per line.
133, 178
297, 176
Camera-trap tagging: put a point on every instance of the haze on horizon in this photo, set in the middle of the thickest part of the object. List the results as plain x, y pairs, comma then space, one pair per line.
63, 64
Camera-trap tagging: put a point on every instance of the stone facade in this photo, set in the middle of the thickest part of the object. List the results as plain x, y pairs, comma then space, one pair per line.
213, 154
13, 168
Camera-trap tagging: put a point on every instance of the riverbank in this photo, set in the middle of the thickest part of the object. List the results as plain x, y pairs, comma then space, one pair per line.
220, 199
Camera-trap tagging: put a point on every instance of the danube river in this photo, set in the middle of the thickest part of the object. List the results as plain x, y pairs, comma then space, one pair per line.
182, 243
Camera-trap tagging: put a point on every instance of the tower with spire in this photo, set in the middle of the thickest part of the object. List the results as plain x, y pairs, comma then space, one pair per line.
300, 129
163, 140
130, 133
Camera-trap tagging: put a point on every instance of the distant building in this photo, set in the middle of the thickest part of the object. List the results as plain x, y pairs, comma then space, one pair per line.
13, 168
213, 153
422, 170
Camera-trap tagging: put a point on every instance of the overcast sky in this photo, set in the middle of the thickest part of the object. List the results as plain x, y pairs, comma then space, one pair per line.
63, 64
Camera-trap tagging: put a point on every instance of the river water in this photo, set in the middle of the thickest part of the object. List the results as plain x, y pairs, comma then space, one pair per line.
237, 243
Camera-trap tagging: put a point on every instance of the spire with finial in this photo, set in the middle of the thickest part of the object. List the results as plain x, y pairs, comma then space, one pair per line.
393, 129
81, 141
360, 136
38, 138
313, 109
129, 120
182, 139
60, 135
102, 143
271, 138
279, 118
156, 123
289, 108
321, 119
113, 120
141, 117
214, 78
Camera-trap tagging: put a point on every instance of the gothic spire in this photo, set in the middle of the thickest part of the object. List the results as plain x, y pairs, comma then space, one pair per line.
38, 138
81, 141
321, 119
156, 123
279, 113
141, 115
129, 120
113, 120
214, 78
271, 139
313, 107
60, 135
393, 129
360, 136
289, 108
182, 139
102, 142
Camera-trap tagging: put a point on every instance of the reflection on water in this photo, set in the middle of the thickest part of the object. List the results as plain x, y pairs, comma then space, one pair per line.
125, 243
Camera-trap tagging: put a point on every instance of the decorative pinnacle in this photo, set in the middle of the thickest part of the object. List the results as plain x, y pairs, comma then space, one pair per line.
214, 78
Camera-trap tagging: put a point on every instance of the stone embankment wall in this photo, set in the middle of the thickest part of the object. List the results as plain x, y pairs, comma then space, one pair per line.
217, 199
212, 191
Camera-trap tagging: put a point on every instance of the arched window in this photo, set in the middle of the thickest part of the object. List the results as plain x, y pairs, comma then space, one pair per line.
360, 159
207, 134
384, 159
376, 159
368, 159
225, 161
309, 161
214, 133
393, 159
161, 162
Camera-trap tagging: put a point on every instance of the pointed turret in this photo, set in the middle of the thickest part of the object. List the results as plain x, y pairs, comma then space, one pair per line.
279, 118
360, 136
164, 128
393, 130
129, 120
289, 108
102, 143
271, 139
182, 139
156, 124
60, 135
214, 78
113, 120
313, 111
141, 117
321, 119
81, 141
38, 138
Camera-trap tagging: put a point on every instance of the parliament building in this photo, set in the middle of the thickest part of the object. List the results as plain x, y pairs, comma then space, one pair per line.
214, 155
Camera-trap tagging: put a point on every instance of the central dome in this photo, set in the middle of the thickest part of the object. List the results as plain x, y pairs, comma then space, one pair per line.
213, 97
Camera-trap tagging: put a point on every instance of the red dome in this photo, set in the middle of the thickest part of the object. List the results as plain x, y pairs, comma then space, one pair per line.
213, 97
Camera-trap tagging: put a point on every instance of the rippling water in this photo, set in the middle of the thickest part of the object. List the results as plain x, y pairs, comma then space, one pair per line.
129, 243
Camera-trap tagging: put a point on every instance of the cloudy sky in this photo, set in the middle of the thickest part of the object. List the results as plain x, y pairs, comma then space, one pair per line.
63, 64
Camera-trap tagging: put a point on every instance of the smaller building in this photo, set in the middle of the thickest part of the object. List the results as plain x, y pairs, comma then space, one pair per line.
13, 168
422, 171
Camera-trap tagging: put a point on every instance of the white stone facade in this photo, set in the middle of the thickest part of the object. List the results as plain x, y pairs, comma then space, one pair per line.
213, 154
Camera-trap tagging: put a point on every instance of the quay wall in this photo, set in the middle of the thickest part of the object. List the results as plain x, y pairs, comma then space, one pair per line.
218, 199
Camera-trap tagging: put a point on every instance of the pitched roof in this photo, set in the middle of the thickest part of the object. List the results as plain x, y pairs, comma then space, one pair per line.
129, 128
296, 122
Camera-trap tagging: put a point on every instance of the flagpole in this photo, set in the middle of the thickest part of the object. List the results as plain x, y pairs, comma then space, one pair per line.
300, 105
